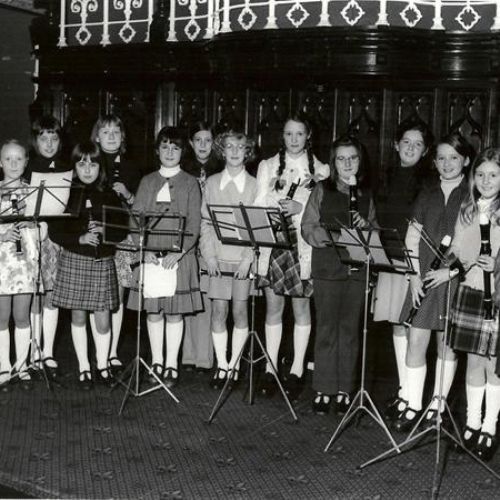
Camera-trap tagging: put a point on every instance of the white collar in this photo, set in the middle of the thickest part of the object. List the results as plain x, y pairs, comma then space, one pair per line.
169, 172
239, 180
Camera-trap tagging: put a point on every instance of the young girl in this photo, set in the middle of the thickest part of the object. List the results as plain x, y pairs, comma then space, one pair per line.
46, 136
231, 187
469, 330
413, 140
338, 289
18, 265
123, 177
288, 272
435, 213
197, 347
170, 182
86, 275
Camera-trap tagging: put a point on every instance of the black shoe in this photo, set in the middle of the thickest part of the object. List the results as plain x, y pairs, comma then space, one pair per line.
486, 446
116, 366
158, 371
267, 385
85, 381
219, 379
25, 381
294, 386
51, 370
5, 381
341, 403
392, 410
321, 404
168, 377
469, 442
407, 419
104, 377
234, 378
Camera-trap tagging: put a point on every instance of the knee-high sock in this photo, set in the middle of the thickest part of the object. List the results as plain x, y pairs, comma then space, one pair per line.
50, 318
475, 395
220, 347
492, 409
101, 342
116, 322
416, 381
22, 343
400, 347
301, 334
174, 341
449, 369
5, 365
237, 342
80, 343
155, 332
273, 342
36, 328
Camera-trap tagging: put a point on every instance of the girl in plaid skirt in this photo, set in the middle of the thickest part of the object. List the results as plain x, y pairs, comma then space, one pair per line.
86, 276
434, 215
46, 137
18, 265
470, 331
288, 272
123, 176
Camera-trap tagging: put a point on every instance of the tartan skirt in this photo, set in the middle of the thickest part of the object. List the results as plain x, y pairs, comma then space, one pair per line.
84, 283
469, 331
187, 298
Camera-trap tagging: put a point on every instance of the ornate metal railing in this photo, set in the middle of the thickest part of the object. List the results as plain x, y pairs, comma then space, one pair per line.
107, 22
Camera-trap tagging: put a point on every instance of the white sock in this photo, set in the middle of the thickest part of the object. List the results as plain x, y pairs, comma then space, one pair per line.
301, 334
101, 342
416, 381
475, 395
492, 409
400, 347
220, 347
450, 366
116, 322
36, 328
50, 318
22, 337
80, 343
5, 365
174, 341
238, 341
155, 331
273, 342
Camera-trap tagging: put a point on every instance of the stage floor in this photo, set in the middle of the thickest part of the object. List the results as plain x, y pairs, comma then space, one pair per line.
68, 444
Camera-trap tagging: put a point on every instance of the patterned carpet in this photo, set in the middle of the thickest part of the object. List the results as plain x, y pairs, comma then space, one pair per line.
69, 444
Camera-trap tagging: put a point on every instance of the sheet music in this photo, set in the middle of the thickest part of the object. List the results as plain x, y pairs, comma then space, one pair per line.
55, 198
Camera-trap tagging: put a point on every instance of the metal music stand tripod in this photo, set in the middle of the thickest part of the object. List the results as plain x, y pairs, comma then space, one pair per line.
370, 248
437, 426
143, 225
253, 227
31, 206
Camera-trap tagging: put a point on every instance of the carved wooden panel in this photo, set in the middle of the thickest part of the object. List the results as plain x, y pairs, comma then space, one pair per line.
229, 109
190, 106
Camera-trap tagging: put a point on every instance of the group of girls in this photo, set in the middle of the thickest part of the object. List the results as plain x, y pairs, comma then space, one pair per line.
85, 274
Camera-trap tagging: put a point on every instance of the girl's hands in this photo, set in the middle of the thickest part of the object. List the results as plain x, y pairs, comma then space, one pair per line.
486, 263
435, 278
243, 270
89, 238
12, 235
171, 259
95, 227
213, 267
360, 222
121, 189
150, 258
417, 289
290, 207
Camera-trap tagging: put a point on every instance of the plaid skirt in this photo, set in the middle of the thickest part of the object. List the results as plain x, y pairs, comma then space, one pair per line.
84, 283
50, 256
187, 298
469, 331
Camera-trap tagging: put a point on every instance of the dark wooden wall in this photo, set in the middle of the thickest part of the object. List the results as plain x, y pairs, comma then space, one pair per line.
363, 82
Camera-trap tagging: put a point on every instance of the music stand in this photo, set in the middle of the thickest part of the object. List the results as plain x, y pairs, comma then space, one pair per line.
374, 248
437, 425
143, 225
33, 206
254, 227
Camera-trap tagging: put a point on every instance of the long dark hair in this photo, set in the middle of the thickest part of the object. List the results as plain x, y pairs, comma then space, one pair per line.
47, 124
458, 142
191, 165
89, 149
